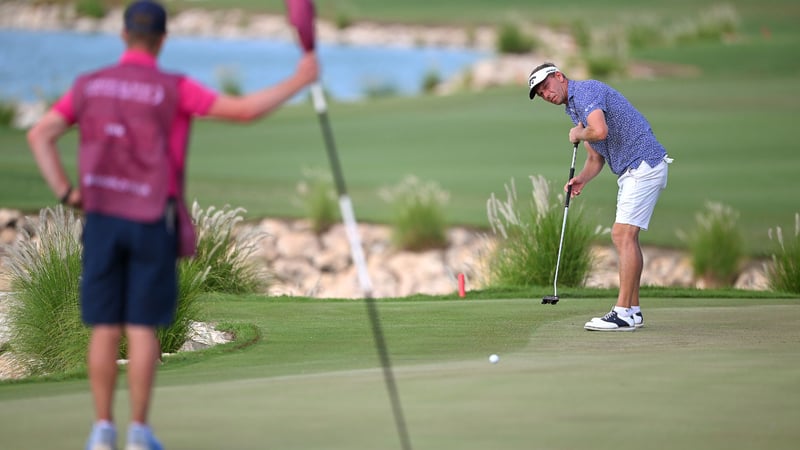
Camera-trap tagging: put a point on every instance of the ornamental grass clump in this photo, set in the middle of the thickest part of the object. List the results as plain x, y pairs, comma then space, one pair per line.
712, 24
94, 9
8, 112
715, 23
716, 245
608, 53
527, 240
418, 218
224, 253
45, 267
784, 273
318, 198
511, 39
47, 334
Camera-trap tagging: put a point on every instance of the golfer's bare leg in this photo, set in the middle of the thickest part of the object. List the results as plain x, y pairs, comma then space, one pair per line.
102, 361
626, 240
143, 355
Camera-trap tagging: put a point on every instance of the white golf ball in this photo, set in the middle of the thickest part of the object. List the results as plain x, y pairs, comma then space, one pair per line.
494, 359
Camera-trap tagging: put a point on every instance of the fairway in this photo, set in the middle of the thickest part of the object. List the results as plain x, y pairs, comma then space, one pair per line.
717, 127
710, 374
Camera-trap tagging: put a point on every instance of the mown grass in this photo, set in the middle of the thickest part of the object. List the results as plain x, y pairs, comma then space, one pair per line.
540, 11
732, 144
302, 373
729, 129
311, 365
293, 335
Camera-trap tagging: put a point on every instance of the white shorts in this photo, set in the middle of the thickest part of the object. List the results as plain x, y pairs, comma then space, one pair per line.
638, 193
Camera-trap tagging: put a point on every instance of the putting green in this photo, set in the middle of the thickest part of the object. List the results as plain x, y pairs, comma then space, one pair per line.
698, 377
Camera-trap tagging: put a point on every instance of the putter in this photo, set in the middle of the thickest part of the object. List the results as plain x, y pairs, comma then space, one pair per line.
553, 299
301, 15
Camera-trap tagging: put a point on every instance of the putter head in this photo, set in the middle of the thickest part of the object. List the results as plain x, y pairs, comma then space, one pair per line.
550, 300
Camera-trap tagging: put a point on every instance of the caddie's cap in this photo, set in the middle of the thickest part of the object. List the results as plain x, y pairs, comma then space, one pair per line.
146, 17
537, 76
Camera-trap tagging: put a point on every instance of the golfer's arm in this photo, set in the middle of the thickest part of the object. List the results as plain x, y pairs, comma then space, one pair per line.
260, 103
594, 164
42, 140
596, 128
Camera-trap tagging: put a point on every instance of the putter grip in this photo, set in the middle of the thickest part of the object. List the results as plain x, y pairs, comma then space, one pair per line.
569, 188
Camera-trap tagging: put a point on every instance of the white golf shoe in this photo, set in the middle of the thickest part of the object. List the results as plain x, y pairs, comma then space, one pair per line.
611, 322
638, 320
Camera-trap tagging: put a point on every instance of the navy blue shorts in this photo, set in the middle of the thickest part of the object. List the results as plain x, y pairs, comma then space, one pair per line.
129, 272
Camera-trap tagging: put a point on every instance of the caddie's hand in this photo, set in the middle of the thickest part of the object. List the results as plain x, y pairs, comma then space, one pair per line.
308, 67
575, 133
74, 199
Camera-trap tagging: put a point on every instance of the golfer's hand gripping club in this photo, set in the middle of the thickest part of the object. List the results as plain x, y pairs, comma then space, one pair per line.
571, 175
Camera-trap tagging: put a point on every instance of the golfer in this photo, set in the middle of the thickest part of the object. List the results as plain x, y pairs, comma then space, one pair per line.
134, 122
613, 132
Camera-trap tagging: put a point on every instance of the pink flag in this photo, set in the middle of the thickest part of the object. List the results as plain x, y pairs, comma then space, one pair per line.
301, 16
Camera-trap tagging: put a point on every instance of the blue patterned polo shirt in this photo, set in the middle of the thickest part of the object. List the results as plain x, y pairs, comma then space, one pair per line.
630, 139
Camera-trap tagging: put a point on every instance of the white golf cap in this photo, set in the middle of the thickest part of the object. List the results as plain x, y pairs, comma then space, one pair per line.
537, 76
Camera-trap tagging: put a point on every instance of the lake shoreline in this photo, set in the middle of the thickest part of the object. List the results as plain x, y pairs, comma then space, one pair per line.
493, 70
236, 23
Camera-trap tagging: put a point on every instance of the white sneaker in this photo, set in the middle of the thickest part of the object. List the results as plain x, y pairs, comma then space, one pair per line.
103, 437
142, 438
638, 320
611, 322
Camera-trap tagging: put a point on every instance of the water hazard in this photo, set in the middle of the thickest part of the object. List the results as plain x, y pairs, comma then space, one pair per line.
42, 64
